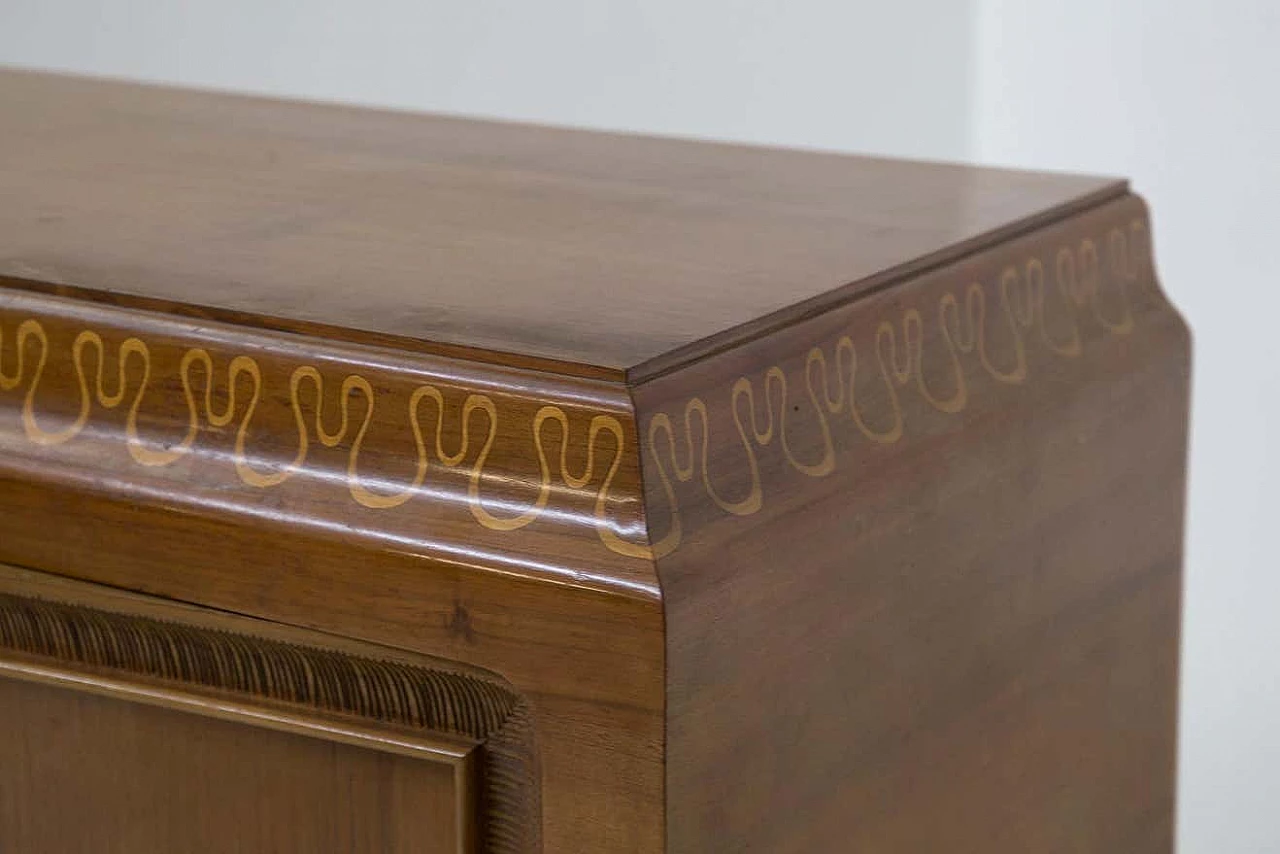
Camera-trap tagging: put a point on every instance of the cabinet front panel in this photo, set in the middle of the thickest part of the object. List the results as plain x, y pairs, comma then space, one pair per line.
83, 772
133, 724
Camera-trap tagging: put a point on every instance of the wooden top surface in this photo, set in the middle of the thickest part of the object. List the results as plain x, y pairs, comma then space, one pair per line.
586, 253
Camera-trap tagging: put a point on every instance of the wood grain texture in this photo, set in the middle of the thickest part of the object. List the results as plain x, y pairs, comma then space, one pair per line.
921, 562
570, 251
805, 502
135, 778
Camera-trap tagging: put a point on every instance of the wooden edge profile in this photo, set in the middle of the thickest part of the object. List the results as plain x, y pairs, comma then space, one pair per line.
460, 463
77, 635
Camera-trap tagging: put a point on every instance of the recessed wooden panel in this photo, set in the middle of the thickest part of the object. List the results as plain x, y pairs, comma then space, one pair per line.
130, 777
130, 723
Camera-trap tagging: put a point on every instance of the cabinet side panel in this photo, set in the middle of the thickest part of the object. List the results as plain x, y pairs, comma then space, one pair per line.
921, 561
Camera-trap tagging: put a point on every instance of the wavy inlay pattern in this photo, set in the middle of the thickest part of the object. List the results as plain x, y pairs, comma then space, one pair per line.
479, 417
680, 444
1074, 291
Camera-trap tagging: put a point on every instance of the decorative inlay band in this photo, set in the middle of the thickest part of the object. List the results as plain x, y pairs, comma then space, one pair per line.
860, 379
829, 372
479, 416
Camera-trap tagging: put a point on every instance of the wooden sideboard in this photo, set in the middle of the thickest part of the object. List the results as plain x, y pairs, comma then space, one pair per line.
375, 482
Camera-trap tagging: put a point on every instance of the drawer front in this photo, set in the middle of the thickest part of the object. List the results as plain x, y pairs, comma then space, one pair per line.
135, 725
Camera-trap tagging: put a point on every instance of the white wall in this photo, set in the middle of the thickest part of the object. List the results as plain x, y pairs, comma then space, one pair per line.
1184, 97
858, 75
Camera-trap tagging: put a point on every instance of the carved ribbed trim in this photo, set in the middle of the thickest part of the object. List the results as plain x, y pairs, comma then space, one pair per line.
318, 679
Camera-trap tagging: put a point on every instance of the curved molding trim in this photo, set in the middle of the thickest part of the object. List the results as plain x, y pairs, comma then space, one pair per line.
413, 445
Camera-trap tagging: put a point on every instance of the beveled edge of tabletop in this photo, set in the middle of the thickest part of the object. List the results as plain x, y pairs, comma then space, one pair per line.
799, 312
671, 360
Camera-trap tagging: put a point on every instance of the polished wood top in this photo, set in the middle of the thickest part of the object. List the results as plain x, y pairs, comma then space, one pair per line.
578, 252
